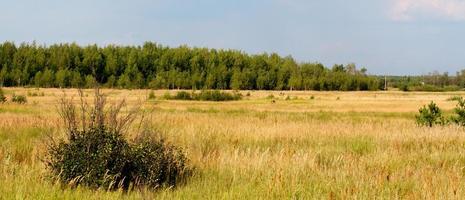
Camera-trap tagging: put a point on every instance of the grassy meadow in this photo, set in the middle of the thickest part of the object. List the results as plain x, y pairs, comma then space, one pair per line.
314, 145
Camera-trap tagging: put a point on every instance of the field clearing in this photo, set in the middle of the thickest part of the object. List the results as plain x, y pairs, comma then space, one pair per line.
338, 145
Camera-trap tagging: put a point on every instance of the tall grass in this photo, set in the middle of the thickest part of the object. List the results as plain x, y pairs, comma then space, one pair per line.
364, 146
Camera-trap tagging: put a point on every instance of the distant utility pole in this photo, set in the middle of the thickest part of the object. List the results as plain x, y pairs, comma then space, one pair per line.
385, 83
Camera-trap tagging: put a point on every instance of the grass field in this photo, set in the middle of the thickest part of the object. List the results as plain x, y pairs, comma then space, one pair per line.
336, 145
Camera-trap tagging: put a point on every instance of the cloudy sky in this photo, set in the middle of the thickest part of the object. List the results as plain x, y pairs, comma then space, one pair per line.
386, 36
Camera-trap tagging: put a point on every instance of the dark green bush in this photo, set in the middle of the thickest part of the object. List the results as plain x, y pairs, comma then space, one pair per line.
96, 153
155, 163
35, 94
215, 95
206, 95
21, 99
151, 95
2, 96
94, 158
459, 110
182, 95
404, 87
167, 95
454, 98
430, 115
432, 88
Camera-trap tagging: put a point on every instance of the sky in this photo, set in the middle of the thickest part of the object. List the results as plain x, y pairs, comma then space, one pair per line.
393, 37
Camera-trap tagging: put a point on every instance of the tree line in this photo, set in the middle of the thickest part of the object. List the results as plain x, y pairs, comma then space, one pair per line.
433, 81
160, 67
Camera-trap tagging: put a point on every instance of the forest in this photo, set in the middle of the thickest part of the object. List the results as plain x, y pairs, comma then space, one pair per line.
432, 82
156, 66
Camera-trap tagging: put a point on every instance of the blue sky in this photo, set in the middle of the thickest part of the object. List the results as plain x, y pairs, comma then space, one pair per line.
386, 36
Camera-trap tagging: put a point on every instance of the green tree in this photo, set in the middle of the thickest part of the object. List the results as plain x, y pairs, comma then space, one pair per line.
90, 82
76, 79
237, 80
62, 78
3, 76
38, 79
295, 81
47, 78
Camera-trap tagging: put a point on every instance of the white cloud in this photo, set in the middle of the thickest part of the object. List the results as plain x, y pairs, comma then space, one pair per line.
404, 10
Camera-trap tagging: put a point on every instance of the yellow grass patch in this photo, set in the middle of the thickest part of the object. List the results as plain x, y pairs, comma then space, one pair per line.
341, 145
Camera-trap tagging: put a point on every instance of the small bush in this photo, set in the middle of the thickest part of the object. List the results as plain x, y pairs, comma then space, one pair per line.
35, 93
216, 95
430, 115
167, 95
312, 97
288, 98
207, 95
271, 96
182, 95
454, 98
155, 163
21, 99
459, 110
32, 94
2, 96
404, 87
96, 153
432, 88
151, 95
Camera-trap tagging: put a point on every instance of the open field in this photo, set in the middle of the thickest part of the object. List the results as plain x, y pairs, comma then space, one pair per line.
338, 145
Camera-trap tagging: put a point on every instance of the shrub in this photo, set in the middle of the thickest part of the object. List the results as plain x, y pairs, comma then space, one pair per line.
182, 95
459, 110
207, 95
155, 163
288, 98
432, 88
312, 97
35, 94
271, 96
21, 99
216, 95
32, 94
96, 153
95, 158
404, 87
151, 95
454, 98
430, 115
167, 95
2, 96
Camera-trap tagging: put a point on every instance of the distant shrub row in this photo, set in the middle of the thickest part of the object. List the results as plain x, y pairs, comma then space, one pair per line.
2, 96
430, 88
431, 115
35, 94
21, 99
204, 95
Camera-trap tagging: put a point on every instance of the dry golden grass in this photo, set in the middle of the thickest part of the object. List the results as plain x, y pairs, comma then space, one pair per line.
362, 145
